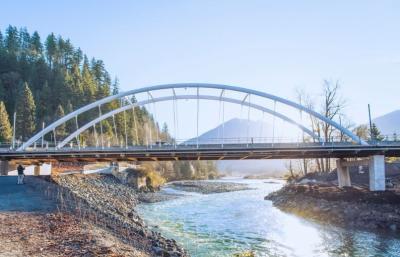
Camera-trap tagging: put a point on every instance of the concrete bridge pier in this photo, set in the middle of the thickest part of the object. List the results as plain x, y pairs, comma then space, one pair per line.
377, 173
343, 173
36, 170
3, 168
376, 164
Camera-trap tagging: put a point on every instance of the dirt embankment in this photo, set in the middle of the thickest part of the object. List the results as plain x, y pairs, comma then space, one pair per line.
58, 234
351, 207
32, 223
75, 215
109, 203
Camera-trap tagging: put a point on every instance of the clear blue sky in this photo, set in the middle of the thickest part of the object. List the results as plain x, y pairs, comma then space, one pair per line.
272, 46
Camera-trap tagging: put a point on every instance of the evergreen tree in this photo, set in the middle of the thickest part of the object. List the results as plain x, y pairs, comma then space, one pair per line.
70, 125
26, 110
60, 131
12, 40
51, 48
375, 133
115, 87
1, 41
75, 84
88, 83
42, 107
36, 49
5, 126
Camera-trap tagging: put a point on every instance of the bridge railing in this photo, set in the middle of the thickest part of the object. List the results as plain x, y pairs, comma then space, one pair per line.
193, 143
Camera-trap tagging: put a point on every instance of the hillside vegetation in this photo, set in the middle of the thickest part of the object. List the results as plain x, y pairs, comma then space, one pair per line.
43, 80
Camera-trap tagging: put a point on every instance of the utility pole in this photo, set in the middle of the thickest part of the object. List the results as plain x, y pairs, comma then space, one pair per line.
370, 123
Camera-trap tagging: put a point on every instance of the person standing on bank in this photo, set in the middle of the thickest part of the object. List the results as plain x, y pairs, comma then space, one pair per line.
21, 174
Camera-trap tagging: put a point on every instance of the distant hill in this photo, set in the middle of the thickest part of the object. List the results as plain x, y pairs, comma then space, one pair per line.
234, 130
242, 128
388, 123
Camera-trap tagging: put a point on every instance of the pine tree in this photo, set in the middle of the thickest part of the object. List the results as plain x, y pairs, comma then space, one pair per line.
115, 87
75, 84
70, 126
60, 131
51, 49
42, 99
26, 112
12, 40
88, 83
1, 41
375, 133
36, 46
5, 126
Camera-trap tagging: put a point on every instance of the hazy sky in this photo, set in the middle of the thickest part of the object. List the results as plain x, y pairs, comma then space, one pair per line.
272, 46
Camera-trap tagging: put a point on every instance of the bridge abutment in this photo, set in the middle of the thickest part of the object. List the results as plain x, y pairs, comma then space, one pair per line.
3, 168
343, 174
377, 173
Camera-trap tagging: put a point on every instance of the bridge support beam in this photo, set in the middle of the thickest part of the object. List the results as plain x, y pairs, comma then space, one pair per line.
3, 168
377, 173
343, 174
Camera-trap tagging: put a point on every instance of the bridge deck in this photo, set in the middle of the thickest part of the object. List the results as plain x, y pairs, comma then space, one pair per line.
205, 152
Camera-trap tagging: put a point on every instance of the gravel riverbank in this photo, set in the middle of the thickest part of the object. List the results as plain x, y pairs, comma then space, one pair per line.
103, 199
207, 187
354, 207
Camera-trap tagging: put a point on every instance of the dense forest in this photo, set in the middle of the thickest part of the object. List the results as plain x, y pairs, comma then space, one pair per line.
43, 80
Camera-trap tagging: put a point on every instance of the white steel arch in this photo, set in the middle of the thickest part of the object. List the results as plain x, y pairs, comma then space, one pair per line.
108, 99
184, 97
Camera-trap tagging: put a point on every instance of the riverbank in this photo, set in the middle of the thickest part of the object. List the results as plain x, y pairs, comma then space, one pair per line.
196, 186
352, 207
58, 234
207, 187
35, 222
107, 202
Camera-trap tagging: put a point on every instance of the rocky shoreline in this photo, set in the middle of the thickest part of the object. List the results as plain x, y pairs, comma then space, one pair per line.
207, 187
196, 186
107, 202
155, 197
96, 214
353, 207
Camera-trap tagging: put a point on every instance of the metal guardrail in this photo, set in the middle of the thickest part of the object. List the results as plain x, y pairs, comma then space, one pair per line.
210, 143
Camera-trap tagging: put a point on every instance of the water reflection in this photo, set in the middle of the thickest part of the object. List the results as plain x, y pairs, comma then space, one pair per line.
227, 223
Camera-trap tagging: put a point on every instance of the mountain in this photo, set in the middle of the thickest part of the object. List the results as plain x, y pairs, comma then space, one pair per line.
245, 130
235, 131
388, 123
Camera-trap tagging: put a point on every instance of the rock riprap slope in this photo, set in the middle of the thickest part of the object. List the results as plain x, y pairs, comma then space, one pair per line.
104, 199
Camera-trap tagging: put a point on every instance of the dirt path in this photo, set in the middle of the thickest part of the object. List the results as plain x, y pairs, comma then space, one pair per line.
30, 225
28, 197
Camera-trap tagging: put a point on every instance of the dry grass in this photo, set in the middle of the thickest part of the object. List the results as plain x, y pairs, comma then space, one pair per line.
61, 234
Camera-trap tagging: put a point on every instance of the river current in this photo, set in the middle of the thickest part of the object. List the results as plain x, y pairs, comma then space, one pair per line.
223, 224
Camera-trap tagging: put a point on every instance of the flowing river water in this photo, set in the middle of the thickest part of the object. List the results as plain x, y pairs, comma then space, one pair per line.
226, 223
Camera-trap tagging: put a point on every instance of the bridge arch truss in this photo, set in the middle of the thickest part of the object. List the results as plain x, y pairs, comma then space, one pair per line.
126, 103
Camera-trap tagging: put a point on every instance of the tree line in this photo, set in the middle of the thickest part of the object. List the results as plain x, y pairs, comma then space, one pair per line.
40, 81
43, 80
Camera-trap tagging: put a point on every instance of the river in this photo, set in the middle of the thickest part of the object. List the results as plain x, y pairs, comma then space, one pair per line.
227, 223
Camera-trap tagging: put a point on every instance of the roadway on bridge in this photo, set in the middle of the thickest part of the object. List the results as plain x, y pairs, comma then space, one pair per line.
205, 152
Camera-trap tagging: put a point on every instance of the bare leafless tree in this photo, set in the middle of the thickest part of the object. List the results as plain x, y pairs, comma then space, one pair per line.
331, 107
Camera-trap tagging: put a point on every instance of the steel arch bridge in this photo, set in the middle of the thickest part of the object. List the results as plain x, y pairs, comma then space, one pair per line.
126, 103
